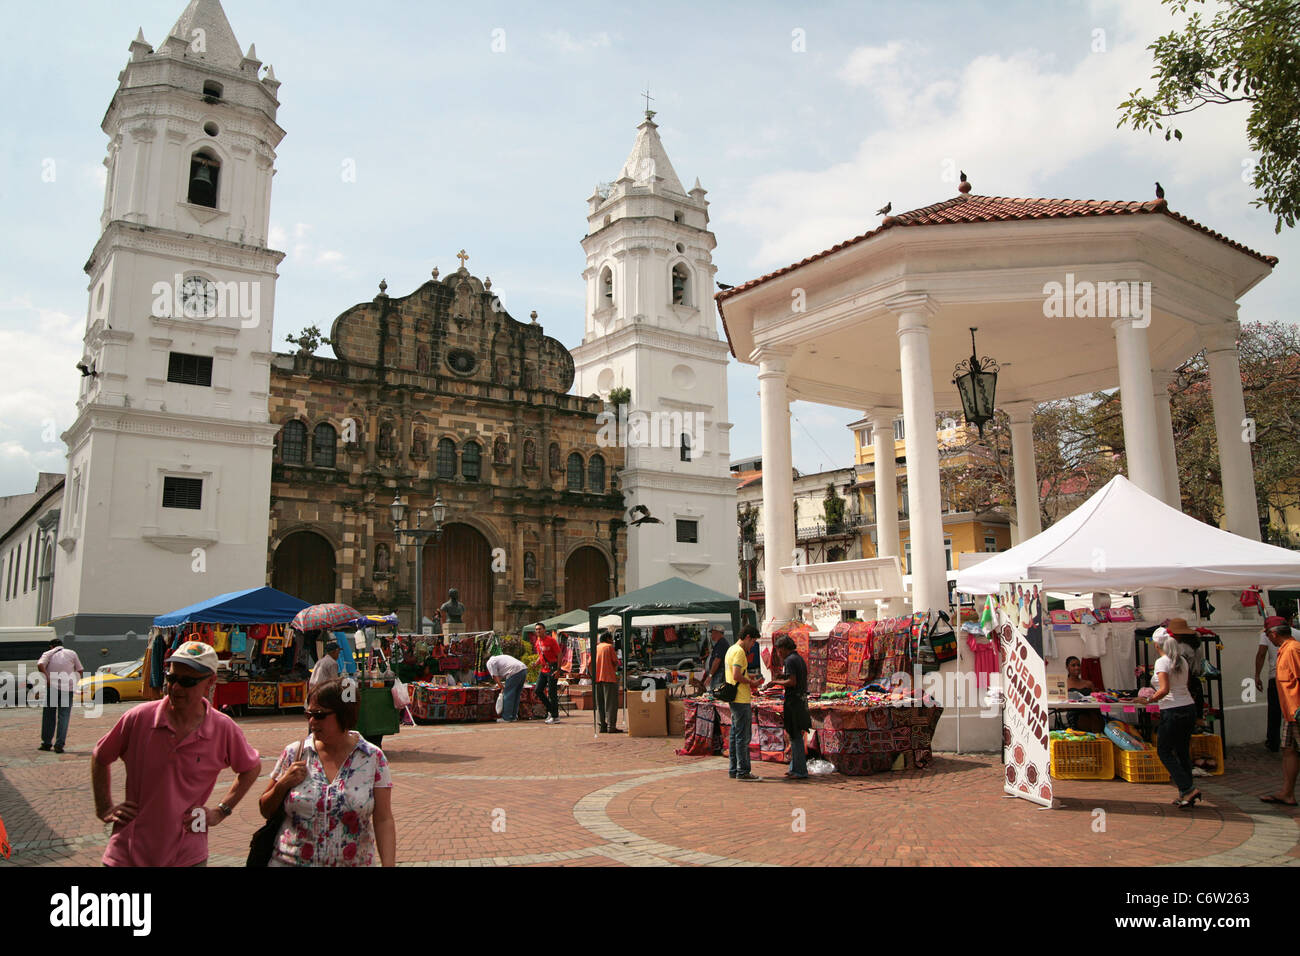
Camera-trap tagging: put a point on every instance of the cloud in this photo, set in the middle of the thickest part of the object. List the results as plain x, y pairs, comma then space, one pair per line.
864, 63
301, 251
563, 41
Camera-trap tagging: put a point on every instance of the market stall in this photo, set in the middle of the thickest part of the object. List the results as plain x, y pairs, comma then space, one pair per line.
262, 665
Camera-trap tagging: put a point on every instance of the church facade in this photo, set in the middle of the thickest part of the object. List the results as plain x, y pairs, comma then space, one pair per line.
442, 393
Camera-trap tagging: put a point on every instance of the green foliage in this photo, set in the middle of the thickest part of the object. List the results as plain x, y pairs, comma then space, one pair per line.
620, 396
308, 340
1249, 52
833, 507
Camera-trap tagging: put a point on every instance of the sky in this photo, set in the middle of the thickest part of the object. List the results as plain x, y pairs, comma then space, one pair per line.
486, 127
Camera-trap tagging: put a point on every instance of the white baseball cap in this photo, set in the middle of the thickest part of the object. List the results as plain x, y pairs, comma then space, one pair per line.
195, 654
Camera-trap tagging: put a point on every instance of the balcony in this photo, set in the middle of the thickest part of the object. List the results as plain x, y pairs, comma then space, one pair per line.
817, 529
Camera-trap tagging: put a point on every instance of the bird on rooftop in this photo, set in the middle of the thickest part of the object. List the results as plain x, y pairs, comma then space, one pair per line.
884, 210
724, 287
1160, 190
963, 176
644, 516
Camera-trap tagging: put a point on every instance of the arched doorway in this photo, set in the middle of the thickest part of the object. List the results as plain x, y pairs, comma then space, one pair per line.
461, 560
586, 578
304, 567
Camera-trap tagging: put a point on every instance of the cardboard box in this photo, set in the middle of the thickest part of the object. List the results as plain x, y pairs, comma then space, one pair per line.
647, 719
676, 718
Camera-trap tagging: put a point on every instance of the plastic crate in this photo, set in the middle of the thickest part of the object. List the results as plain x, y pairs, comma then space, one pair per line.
1209, 745
1141, 766
1082, 759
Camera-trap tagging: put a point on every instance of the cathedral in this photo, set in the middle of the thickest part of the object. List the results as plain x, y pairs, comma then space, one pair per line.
201, 461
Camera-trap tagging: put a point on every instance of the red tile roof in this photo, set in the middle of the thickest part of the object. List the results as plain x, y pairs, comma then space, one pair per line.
970, 208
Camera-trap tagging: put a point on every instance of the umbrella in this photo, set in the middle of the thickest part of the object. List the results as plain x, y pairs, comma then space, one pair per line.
324, 617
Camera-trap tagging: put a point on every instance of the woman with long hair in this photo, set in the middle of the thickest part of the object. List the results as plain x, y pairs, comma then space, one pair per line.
1177, 718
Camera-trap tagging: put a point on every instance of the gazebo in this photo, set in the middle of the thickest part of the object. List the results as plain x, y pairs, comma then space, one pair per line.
1070, 296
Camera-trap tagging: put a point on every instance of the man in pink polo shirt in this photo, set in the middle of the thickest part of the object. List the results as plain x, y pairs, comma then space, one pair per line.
173, 749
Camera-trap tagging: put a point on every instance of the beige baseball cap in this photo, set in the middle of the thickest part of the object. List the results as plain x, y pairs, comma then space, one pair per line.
195, 654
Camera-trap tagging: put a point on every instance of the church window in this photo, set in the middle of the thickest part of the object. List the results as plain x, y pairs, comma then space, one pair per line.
470, 461
446, 458
27, 567
205, 174
213, 89
189, 369
324, 444
553, 458
681, 285
596, 475
677, 217
606, 288
184, 493
575, 472
293, 443
688, 532
686, 447
530, 453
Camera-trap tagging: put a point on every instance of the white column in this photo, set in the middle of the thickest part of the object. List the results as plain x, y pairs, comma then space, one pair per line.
1165, 427
778, 480
882, 440
1029, 521
929, 567
1230, 427
1141, 441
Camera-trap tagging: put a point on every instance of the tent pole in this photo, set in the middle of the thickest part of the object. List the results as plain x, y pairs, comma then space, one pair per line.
593, 631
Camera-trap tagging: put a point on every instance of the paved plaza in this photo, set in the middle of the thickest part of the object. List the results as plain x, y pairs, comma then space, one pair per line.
535, 795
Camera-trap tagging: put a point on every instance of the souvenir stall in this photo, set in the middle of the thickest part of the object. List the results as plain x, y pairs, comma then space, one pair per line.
261, 665
451, 681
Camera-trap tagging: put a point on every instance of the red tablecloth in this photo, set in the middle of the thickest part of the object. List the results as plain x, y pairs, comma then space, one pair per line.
232, 694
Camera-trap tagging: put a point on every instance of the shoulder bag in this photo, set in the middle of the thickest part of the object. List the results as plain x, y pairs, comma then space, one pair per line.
262, 844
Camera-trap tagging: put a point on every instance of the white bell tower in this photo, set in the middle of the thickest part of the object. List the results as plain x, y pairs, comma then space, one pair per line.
169, 459
651, 327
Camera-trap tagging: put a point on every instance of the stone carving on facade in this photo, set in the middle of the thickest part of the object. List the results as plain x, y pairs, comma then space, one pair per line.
500, 451
553, 459
530, 453
381, 560
530, 566
419, 443
422, 360
387, 442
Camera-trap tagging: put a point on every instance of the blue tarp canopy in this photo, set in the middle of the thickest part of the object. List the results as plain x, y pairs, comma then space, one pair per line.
253, 606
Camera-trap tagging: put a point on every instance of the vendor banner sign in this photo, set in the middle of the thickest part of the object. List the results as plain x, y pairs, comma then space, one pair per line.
1018, 619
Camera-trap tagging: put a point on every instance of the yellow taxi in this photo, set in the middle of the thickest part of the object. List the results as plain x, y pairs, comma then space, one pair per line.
114, 682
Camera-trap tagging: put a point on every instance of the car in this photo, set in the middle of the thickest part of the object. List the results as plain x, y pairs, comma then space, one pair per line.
115, 682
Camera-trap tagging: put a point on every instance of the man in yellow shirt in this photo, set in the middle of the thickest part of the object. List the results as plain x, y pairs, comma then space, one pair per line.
735, 669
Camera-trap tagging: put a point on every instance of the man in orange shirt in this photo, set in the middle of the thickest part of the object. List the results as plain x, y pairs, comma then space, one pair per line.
1288, 694
607, 684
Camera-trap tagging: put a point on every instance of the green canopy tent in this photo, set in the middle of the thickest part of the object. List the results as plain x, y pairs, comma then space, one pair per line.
673, 596
560, 622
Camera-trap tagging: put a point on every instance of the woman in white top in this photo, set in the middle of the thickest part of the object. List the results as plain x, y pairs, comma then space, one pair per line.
1177, 718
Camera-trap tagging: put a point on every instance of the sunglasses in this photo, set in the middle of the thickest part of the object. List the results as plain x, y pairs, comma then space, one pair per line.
183, 681
318, 714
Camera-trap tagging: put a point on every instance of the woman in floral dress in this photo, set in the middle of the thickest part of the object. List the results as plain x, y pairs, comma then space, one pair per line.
338, 801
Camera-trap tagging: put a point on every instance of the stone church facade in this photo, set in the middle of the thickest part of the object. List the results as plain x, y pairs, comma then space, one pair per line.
442, 392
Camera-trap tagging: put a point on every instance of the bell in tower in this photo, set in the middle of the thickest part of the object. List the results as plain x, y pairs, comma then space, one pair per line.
203, 181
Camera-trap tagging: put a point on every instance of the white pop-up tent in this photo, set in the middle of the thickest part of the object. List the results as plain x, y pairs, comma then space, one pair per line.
1123, 539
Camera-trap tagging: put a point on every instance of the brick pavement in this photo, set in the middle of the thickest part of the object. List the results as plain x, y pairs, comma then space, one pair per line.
532, 795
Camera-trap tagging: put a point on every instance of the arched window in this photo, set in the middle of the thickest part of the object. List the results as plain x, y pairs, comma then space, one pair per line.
446, 458
606, 288
686, 446
575, 472
681, 285
293, 443
471, 457
205, 174
324, 444
596, 475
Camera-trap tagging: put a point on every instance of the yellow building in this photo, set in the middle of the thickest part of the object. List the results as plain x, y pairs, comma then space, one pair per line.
963, 531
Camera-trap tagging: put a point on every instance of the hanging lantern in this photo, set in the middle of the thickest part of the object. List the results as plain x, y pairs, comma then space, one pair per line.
977, 381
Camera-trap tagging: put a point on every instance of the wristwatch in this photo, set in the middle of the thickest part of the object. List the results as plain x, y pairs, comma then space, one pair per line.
225, 810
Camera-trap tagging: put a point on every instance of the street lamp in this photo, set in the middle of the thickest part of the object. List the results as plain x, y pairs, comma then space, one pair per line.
419, 535
977, 381
747, 551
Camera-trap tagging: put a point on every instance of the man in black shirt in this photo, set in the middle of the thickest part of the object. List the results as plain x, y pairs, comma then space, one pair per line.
713, 673
795, 714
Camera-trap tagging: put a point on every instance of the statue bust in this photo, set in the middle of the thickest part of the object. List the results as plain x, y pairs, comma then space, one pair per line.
452, 607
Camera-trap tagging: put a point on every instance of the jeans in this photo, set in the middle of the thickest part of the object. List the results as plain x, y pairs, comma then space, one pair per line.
514, 685
738, 742
798, 759
1174, 745
49, 716
607, 705
550, 698
1273, 740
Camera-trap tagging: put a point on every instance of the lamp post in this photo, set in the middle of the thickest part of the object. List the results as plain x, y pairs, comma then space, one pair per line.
419, 535
747, 550
977, 381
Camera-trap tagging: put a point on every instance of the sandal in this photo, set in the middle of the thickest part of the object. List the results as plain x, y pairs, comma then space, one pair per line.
1190, 801
1278, 800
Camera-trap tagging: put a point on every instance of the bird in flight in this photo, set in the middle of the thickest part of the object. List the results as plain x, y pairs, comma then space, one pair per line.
884, 210
640, 514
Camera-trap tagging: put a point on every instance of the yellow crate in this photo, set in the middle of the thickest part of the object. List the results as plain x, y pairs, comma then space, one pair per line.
1208, 745
1140, 766
1082, 759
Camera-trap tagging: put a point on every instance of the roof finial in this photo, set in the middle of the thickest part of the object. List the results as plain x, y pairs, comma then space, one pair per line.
435, 272
649, 113
463, 259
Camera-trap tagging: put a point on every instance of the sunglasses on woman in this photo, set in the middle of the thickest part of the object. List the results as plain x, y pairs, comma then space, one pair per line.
318, 714
183, 681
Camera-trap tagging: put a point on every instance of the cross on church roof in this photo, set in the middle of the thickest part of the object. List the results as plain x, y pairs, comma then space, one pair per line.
462, 257
648, 112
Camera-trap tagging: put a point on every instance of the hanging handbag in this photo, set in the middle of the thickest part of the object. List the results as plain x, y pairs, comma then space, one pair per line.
262, 844
943, 640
